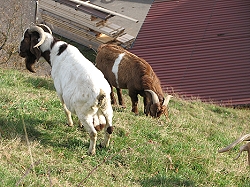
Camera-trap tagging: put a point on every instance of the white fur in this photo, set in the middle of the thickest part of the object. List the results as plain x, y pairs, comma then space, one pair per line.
78, 83
116, 67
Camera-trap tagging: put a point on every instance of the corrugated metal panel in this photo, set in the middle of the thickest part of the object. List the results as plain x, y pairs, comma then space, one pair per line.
199, 48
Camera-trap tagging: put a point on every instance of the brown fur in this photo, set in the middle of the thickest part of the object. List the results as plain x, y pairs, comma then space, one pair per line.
135, 74
100, 127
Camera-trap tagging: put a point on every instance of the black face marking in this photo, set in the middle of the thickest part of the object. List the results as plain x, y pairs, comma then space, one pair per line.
53, 43
62, 48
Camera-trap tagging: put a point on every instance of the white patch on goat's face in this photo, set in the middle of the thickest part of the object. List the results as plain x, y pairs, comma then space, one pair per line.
47, 43
116, 67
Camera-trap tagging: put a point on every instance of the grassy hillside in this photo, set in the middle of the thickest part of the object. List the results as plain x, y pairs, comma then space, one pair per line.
143, 152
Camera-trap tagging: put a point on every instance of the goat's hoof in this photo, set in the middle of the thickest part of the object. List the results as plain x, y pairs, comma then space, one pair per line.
80, 124
70, 125
91, 153
104, 145
135, 111
99, 146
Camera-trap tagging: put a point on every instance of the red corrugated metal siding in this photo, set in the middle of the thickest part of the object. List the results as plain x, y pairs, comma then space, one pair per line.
199, 48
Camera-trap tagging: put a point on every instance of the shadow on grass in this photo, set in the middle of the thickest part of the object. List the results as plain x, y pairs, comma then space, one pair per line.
11, 129
48, 133
39, 82
166, 182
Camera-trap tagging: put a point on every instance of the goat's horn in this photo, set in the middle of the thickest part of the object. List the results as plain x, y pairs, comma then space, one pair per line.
166, 101
155, 98
232, 145
41, 33
42, 25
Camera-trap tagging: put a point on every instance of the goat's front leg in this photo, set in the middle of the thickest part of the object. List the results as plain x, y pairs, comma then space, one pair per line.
120, 98
68, 114
134, 100
146, 103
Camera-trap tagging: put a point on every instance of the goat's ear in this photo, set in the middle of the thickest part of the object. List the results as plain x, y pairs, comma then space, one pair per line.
29, 62
154, 109
35, 51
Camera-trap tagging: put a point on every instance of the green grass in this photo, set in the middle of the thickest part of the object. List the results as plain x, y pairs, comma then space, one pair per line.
143, 152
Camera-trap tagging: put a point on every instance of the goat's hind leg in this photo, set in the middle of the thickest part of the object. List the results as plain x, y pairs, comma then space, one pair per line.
112, 96
88, 125
92, 145
108, 129
107, 135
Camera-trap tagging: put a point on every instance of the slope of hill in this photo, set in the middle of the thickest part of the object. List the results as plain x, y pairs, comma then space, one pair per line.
38, 149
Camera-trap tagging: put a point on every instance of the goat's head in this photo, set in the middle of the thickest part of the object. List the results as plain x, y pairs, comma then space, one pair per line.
157, 108
29, 46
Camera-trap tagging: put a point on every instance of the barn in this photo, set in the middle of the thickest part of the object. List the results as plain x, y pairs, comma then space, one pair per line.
199, 48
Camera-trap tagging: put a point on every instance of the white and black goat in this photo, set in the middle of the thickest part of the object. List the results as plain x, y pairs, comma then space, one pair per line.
124, 70
81, 87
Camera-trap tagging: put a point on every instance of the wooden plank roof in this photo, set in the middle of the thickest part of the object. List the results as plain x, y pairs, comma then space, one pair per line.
199, 48
85, 9
83, 23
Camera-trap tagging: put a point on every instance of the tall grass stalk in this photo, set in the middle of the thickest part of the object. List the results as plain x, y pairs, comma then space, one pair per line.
32, 167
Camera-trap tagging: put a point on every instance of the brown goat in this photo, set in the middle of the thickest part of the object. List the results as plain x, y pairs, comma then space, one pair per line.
124, 70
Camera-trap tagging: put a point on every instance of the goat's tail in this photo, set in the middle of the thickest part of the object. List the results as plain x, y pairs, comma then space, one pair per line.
101, 99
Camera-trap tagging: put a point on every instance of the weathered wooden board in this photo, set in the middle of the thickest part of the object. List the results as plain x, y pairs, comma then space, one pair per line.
69, 13
81, 26
104, 38
125, 40
77, 38
81, 18
67, 26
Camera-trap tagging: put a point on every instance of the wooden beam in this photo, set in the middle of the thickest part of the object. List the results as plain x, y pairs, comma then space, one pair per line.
87, 4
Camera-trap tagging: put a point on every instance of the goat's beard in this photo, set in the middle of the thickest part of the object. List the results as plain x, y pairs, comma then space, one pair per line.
29, 62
